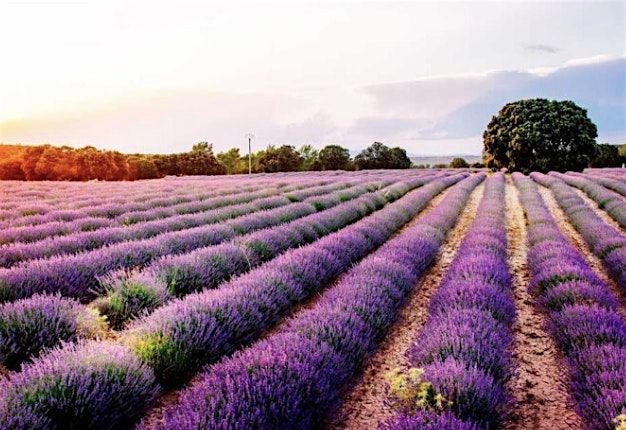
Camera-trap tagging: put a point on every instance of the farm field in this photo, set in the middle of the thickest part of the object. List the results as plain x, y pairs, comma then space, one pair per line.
392, 299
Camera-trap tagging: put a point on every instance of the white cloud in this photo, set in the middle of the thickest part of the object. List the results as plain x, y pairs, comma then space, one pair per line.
437, 115
541, 48
462, 105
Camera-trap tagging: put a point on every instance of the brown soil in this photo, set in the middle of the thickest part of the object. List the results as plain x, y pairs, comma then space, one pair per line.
154, 416
363, 405
578, 241
539, 386
4, 373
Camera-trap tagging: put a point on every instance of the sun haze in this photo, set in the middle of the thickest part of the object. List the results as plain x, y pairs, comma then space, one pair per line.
427, 76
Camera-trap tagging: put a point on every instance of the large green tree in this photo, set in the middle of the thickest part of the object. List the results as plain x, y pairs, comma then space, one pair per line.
334, 157
233, 162
380, 156
399, 159
282, 159
541, 135
309, 158
458, 163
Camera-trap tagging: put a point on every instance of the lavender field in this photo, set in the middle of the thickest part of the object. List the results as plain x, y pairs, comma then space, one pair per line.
391, 299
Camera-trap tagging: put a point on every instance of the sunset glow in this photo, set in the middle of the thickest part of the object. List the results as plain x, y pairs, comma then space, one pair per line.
158, 77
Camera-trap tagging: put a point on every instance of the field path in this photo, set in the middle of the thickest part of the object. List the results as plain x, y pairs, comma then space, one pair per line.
578, 241
540, 383
363, 405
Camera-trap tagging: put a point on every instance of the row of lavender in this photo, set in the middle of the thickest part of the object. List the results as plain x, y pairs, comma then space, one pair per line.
608, 171
610, 182
74, 195
20, 201
582, 313
102, 204
122, 215
293, 378
251, 303
105, 385
77, 275
54, 190
181, 199
225, 209
71, 194
118, 216
612, 203
205, 268
29, 325
460, 360
607, 242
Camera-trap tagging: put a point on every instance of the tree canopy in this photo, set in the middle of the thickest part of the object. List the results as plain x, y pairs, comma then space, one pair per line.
540, 135
282, 159
607, 155
334, 157
380, 156
458, 163
46, 162
52, 163
309, 156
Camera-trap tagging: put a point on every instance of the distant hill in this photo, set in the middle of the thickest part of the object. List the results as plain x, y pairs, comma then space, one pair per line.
442, 159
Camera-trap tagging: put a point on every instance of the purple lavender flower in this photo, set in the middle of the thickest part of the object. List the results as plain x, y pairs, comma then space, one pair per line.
94, 385
474, 394
31, 325
423, 420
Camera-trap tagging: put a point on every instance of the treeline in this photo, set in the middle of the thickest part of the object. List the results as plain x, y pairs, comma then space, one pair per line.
332, 157
46, 162
456, 163
608, 155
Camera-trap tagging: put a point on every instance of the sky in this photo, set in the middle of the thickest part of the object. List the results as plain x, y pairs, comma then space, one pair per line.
156, 77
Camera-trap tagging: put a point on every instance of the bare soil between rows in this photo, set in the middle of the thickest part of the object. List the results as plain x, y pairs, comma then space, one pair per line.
539, 385
576, 239
363, 405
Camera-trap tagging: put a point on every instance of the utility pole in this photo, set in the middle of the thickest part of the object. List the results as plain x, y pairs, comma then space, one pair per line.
250, 136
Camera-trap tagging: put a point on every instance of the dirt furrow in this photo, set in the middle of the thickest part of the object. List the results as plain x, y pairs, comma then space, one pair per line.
539, 385
363, 405
310, 303
578, 241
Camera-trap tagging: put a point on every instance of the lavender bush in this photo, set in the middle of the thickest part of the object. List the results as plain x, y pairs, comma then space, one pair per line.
207, 267
215, 324
582, 312
175, 339
333, 338
604, 240
28, 326
96, 385
85, 241
606, 181
613, 203
463, 351
76, 275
